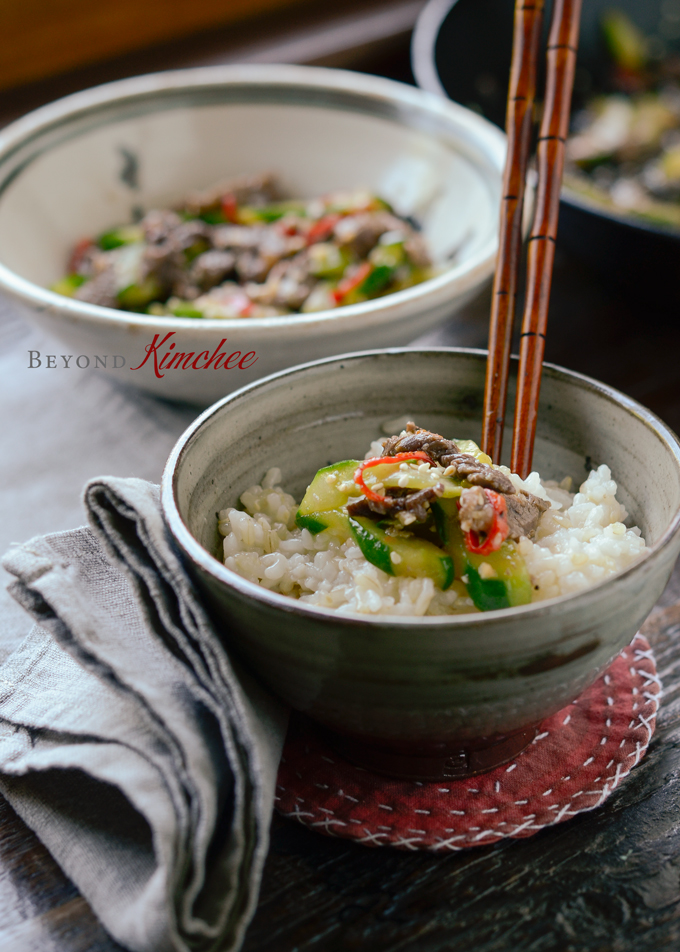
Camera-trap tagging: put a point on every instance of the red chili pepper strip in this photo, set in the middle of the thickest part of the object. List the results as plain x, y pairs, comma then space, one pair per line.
322, 229
377, 461
350, 283
498, 531
230, 207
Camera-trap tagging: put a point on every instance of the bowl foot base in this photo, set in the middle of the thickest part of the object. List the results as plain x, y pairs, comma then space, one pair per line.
447, 763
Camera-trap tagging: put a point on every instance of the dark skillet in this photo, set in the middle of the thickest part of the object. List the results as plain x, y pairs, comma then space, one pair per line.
462, 49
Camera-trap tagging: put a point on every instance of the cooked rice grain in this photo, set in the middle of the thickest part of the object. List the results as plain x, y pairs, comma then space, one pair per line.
579, 542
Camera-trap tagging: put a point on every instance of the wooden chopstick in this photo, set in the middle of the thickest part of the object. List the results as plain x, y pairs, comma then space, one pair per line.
519, 124
561, 63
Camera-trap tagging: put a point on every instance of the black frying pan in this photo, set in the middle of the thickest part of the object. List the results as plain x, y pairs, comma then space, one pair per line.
462, 49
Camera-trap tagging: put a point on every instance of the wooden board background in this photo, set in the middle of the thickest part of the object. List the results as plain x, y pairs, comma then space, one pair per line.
42, 38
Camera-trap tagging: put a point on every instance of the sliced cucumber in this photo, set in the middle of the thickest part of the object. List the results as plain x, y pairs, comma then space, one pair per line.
117, 237
336, 520
471, 448
497, 580
391, 475
330, 489
402, 556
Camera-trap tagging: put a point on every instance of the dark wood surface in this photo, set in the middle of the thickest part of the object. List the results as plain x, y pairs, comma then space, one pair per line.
606, 881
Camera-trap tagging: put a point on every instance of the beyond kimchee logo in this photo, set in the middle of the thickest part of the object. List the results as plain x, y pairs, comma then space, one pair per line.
162, 355
169, 358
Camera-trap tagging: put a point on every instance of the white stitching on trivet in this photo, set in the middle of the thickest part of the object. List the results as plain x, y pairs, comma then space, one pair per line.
540, 736
644, 722
566, 719
610, 784
321, 786
326, 824
406, 841
427, 812
327, 759
372, 838
511, 767
651, 678
448, 844
443, 790
491, 810
421, 832
297, 813
588, 761
384, 806
637, 753
610, 701
497, 786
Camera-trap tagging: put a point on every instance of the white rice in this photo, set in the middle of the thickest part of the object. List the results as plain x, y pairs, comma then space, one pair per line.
580, 541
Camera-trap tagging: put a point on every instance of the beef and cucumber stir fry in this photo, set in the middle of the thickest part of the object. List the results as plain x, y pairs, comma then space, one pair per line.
241, 250
624, 151
429, 507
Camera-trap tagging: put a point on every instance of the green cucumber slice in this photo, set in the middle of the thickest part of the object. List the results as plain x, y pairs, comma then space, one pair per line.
324, 493
510, 583
335, 520
415, 557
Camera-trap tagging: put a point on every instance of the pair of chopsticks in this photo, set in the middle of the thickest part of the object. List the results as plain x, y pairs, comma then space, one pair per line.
561, 62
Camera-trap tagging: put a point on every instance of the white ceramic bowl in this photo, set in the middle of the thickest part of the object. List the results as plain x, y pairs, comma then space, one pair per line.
82, 164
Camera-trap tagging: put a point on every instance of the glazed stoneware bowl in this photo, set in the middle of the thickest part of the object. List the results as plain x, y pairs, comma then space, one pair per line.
421, 697
93, 160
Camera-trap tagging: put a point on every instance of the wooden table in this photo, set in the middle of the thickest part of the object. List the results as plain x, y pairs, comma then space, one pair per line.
606, 881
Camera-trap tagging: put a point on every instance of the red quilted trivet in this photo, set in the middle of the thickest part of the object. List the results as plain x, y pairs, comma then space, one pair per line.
580, 755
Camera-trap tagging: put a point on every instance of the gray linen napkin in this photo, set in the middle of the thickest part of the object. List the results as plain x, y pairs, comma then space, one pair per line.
141, 756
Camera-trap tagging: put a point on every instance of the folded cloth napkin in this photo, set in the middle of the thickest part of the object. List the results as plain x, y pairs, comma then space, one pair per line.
139, 753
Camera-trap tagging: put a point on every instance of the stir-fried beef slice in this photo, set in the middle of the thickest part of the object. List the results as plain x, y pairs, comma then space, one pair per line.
238, 237
246, 189
361, 232
101, 290
251, 266
476, 512
416, 439
165, 258
210, 268
398, 500
524, 511
158, 224
415, 247
478, 474
289, 283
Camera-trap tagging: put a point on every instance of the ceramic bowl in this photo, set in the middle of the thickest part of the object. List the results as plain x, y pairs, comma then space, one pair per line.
425, 697
87, 162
